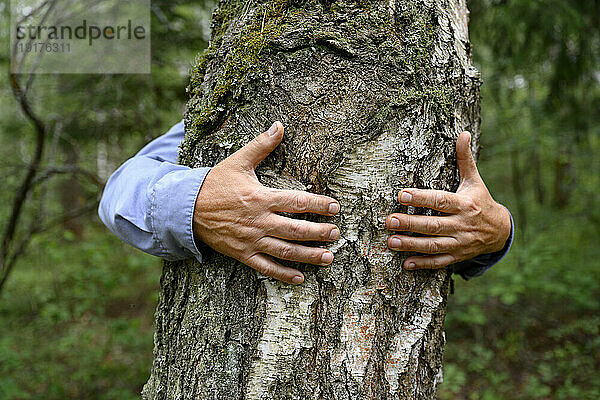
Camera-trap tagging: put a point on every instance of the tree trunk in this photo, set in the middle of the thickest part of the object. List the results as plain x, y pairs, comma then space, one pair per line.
372, 96
71, 192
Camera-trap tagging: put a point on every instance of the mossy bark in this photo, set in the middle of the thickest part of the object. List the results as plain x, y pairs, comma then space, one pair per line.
372, 96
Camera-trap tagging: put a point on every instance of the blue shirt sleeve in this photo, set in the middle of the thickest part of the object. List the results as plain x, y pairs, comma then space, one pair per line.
149, 201
476, 266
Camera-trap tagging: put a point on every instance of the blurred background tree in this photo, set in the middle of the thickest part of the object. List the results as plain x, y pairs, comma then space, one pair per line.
76, 314
529, 329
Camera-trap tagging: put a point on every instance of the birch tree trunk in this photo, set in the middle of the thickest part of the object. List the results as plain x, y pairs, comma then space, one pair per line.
372, 96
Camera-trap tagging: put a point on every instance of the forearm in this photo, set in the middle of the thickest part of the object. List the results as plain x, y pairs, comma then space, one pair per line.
149, 201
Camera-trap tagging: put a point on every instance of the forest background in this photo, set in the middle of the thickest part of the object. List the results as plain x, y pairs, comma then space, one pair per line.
76, 312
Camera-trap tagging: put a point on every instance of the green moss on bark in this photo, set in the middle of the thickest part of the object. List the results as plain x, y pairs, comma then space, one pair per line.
242, 59
406, 41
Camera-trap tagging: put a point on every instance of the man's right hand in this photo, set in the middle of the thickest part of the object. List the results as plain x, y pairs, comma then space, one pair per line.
237, 216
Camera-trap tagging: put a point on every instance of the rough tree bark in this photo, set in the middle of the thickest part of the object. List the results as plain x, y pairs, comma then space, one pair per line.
372, 95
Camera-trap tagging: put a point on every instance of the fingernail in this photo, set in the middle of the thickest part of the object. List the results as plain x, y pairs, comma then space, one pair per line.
395, 243
273, 130
297, 280
406, 197
327, 258
410, 265
335, 233
394, 223
334, 208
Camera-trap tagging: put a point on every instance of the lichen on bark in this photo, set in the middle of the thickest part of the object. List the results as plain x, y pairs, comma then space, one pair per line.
372, 96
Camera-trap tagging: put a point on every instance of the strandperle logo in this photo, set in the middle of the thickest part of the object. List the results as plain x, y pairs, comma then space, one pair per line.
80, 36
84, 31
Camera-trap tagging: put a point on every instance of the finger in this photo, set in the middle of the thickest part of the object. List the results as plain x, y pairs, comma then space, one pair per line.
268, 267
429, 262
420, 224
295, 252
295, 229
440, 200
464, 158
260, 147
429, 245
296, 201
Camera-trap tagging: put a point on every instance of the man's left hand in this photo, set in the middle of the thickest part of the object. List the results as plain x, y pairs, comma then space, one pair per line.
472, 224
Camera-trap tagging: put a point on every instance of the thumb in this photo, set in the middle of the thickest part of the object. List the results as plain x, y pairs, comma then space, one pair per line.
464, 158
260, 147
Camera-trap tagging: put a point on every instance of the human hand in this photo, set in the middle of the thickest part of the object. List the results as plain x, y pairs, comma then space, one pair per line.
473, 223
237, 216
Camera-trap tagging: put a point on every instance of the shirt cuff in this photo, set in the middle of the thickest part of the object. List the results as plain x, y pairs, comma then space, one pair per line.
172, 214
476, 266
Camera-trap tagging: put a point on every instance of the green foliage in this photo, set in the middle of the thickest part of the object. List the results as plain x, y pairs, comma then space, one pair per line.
529, 329
78, 323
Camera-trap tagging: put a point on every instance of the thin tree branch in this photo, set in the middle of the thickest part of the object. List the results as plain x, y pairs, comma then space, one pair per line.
25, 187
67, 169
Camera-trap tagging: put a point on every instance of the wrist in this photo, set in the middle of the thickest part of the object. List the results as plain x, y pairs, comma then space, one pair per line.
505, 225
203, 206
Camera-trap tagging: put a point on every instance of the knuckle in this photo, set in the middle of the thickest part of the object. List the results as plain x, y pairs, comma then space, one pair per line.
299, 230
266, 270
434, 263
468, 239
259, 243
285, 252
441, 201
301, 201
480, 240
408, 243
434, 246
468, 203
407, 223
277, 273
434, 226
435, 199
268, 195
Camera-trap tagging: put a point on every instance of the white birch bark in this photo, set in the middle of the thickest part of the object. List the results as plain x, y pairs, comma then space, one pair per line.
372, 95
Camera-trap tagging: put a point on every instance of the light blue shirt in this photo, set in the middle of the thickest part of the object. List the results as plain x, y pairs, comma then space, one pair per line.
149, 202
